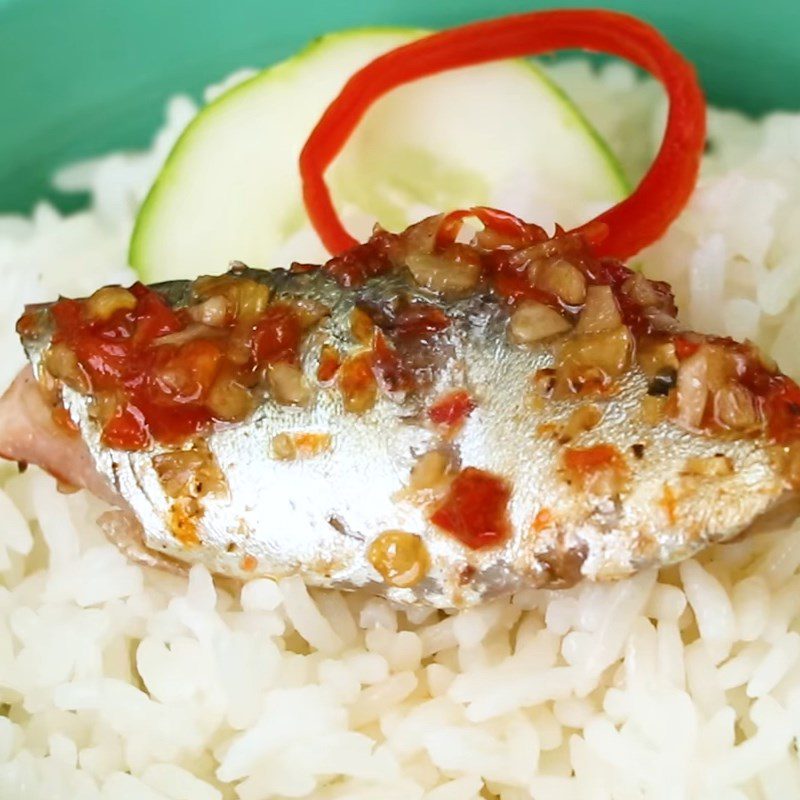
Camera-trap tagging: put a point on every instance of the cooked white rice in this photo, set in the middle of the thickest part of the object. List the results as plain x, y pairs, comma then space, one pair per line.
128, 684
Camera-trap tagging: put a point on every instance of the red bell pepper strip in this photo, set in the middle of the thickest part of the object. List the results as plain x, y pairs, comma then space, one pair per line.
621, 231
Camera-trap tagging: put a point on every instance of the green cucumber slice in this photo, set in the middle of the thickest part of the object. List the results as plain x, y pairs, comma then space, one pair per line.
500, 134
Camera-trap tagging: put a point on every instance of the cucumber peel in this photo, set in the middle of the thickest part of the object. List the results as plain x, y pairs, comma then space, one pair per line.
498, 134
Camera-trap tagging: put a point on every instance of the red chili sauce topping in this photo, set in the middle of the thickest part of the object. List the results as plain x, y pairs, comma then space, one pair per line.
395, 356
600, 466
166, 374
365, 261
586, 460
394, 374
475, 509
452, 409
329, 362
161, 373
520, 263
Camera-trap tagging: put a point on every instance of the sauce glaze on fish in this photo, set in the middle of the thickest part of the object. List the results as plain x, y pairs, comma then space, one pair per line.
435, 419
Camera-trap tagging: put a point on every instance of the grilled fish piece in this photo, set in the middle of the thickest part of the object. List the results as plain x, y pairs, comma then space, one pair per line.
434, 421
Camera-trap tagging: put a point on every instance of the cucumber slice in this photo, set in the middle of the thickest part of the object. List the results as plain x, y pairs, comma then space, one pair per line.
499, 134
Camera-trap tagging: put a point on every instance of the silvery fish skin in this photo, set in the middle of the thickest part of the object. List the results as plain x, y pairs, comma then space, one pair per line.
317, 516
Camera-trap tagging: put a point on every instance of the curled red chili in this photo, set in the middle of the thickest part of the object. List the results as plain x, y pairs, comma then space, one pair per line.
622, 230
500, 221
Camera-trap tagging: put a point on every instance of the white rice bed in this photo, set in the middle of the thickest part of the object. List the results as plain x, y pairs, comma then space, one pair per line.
122, 683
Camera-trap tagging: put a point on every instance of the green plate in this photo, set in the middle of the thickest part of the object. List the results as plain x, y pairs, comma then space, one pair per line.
80, 77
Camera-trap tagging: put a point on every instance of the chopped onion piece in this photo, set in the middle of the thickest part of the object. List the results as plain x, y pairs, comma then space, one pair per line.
289, 446
532, 322
252, 300
228, 400
719, 366
590, 361
444, 275
191, 332
581, 420
600, 311
657, 357
108, 300
62, 363
692, 390
562, 279
718, 466
189, 473
212, 312
288, 384
429, 472
641, 290
247, 299
662, 321
734, 407
421, 237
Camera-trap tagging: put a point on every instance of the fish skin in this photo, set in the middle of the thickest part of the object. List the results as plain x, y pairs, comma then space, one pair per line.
317, 516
